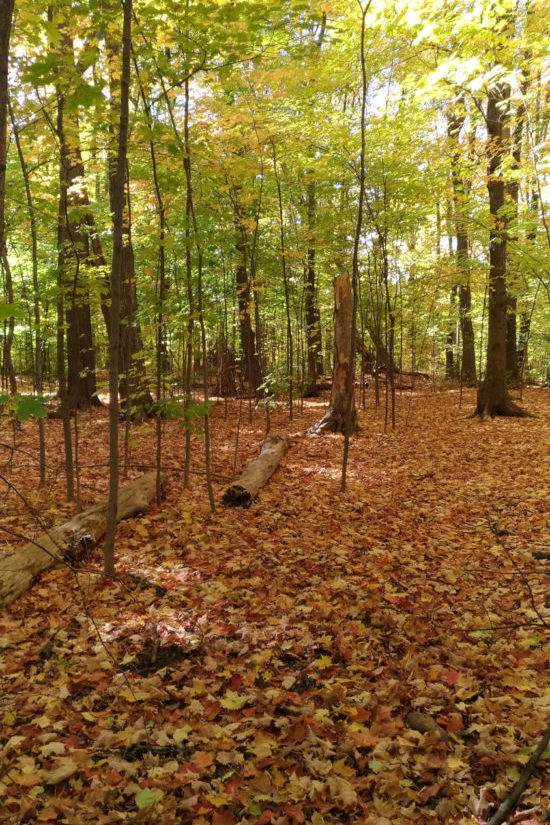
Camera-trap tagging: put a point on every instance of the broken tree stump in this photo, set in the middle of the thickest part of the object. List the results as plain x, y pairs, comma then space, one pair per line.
70, 540
335, 418
257, 472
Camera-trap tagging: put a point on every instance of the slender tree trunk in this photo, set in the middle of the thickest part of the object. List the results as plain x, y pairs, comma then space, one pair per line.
513, 366
200, 304
251, 364
133, 387
38, 380
290, 350
161, 284
492, 397
461, 186
313, 318
188, 280
6, 13
119, 241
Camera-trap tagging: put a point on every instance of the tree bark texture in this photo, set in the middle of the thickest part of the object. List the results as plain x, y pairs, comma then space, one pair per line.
6, 13
251, 367
133, 387
334, 420
257, 472
460, 191
311, 309
492, 397
70, 540
74, 259
226, 385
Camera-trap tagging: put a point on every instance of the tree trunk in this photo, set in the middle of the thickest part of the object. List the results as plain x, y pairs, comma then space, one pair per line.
120, 242
6, 13
492, 397
133, 387
313, 318
251, 363
512, 360
70, 540
524, 330
450, 365
461, 189
257, 472
468, 339
226, 385
74, 245
334, 419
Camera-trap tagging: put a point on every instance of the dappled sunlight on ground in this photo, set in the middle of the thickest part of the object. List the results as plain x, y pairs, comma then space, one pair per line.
269, 657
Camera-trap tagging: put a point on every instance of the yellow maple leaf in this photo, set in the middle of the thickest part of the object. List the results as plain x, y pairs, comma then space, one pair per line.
233, 700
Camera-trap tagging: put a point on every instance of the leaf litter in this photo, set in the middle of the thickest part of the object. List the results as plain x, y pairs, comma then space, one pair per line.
375, 657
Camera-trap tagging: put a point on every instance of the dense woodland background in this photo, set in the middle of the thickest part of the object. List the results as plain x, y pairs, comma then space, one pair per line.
245, 171
237, 236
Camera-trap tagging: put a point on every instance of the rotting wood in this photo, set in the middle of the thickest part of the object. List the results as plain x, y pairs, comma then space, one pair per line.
334, 420
67, 542
257, 472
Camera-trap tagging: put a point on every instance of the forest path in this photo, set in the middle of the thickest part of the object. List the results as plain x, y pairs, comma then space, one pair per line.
296, 635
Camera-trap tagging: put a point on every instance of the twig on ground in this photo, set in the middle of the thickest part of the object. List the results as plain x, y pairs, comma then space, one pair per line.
513, 797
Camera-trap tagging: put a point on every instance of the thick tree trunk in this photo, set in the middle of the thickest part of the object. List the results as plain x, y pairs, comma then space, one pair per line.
492, 397
226, 382
257, 472
334, 420
67, 542
74, 246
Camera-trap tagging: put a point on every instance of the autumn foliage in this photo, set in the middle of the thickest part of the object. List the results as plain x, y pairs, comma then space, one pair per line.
261, 666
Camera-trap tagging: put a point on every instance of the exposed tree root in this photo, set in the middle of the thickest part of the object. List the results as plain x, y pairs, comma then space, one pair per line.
507, 409
333, 422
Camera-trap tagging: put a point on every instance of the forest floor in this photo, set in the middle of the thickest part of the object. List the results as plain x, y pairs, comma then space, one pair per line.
296, 636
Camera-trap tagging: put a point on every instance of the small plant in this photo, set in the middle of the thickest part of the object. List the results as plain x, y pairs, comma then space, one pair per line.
22, 407
190, 413
274, 386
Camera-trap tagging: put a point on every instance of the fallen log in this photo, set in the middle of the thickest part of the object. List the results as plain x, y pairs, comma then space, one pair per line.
257, 472
70, 540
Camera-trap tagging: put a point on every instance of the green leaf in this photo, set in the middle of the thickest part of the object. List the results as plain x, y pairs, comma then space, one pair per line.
11, 311
42, 71
27, 406
376, 766
147, 798
255, 809
86, 96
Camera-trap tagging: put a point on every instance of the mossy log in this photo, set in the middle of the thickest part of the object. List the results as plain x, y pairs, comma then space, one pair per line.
257, 472
19, 568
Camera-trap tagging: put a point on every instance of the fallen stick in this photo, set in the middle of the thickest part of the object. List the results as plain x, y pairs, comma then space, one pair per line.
257, 472
513, 797
19, 568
